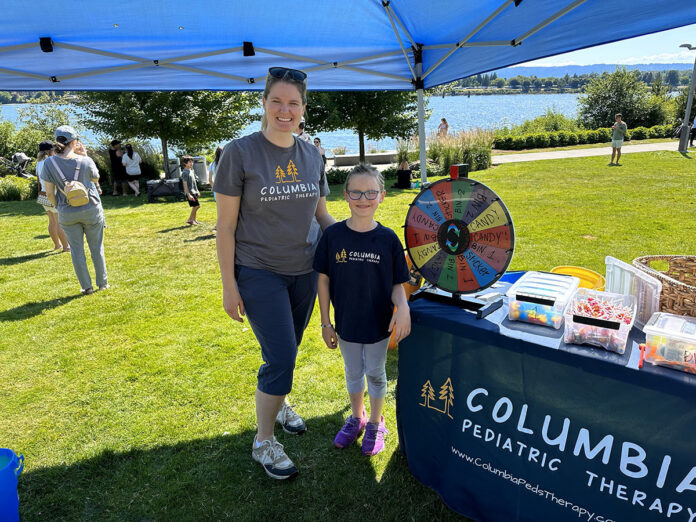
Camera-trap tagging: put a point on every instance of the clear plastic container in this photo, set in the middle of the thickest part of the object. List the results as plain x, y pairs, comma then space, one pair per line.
671, 341
623, 278
540, 298
601, 319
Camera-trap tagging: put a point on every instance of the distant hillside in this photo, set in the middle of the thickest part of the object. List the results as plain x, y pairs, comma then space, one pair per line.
562, 70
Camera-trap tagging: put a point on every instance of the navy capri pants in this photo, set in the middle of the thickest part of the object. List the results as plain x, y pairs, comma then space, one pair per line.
278, 308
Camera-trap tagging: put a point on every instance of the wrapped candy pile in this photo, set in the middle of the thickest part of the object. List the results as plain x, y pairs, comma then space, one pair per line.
600, 319
603, 309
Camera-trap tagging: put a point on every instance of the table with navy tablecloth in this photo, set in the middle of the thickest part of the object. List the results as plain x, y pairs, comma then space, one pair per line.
507, 422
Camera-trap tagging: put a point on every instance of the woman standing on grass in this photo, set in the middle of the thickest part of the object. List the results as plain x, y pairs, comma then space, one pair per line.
131, 160
271, 211
72, 164
60, 242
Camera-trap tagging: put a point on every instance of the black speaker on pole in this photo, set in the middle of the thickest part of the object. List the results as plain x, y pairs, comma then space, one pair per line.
46, 44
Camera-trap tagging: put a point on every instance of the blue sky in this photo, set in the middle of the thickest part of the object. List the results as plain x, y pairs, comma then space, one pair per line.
654, 48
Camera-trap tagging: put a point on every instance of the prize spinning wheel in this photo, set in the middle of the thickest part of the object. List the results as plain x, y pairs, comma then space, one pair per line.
459, 235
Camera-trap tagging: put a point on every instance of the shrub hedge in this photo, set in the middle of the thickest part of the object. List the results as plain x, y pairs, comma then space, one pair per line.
13, 188
540, 140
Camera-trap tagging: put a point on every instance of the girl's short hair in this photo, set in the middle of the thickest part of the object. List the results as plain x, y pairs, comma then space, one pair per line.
186, 159
218, 153
271, 81
365, 169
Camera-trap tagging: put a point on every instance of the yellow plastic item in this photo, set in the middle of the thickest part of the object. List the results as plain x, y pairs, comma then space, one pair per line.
588, 278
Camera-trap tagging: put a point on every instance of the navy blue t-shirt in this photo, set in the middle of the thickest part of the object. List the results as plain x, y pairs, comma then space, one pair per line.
362, 268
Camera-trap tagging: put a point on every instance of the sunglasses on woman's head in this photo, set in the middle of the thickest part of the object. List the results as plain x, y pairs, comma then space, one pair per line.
283, 73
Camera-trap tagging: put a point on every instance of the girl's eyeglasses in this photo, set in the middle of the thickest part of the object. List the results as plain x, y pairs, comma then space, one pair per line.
355, 195
283, 73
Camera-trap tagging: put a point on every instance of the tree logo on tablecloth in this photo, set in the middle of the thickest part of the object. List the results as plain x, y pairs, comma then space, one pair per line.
428, 394
446, 394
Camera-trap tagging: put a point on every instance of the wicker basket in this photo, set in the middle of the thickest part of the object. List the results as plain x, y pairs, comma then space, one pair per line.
678, 283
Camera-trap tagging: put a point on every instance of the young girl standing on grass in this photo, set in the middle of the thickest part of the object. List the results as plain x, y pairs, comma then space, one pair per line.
361, 266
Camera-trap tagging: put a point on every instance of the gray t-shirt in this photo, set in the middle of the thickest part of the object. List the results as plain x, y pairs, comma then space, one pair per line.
88, 172
190, 179
280, 189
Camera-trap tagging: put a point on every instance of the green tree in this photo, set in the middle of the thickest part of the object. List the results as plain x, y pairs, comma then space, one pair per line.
620, 91
499, 83
658, 86
186, 120
672, 78
45, 118
680, 107
514, 82
372, 114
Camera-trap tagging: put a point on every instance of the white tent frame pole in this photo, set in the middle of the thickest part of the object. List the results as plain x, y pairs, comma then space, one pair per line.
492, 43
460, 43
548, 21
421, 134
204, 71
396, 33
18, 47
417, 79
393, 14
171, 63
22, 74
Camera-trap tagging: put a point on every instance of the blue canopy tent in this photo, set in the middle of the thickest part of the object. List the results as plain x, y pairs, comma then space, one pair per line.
342, 45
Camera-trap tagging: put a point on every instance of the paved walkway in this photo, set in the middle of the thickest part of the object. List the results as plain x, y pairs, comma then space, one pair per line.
582, 153
559, 154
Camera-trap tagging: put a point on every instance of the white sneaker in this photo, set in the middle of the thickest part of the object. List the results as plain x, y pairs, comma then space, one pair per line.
272, 457
290, 421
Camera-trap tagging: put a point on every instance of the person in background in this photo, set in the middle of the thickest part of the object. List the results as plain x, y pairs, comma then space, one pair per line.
618, 133
118, 170
131, 160
60, 242
190, 188
72, 163
693, 132
361, 268
317, 144
271, 210
212, 168
301, 134
442, 128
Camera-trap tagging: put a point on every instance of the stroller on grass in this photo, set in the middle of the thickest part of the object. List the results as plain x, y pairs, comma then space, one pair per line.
17, 166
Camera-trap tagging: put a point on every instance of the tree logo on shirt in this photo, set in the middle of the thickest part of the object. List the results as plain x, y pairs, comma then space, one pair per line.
342, 257
280, 174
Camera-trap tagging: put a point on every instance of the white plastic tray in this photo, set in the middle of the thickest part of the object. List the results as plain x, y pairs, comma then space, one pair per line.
622, 278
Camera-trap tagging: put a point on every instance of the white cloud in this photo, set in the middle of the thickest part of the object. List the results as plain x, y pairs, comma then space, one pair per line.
546, 62
684, 56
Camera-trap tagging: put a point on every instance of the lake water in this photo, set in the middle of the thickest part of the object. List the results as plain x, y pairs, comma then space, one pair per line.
462, 113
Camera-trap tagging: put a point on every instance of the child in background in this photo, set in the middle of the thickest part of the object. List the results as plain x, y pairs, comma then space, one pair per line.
361, 266
190, 188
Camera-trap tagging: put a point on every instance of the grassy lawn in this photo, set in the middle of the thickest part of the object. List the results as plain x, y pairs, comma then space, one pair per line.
136, 403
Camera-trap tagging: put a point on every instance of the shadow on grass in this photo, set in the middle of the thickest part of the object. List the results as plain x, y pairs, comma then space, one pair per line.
166, 230
9, 261
32, 309
200, 238
216, 479
42, 236
686, 155
28, 207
